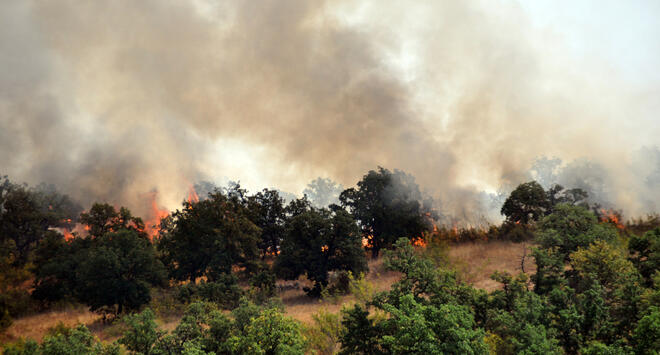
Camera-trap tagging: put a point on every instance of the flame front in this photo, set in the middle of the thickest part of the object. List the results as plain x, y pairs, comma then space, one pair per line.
152, 224
192, 195
611, 216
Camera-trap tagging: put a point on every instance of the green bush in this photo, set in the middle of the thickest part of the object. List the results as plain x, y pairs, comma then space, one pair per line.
76, 341
270, 333
225, 292
141, 333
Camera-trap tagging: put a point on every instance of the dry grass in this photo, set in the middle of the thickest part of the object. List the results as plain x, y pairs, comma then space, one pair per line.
477, 261
37, 325
302, 308
474, 261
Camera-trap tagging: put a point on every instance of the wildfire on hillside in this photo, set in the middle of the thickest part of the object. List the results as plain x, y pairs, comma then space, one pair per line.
611, 216
66, 232
152, 223
157, 213
192, 195
70, 232
419, 242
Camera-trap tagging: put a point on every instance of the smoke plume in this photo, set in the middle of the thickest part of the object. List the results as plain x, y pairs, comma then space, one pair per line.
112, 100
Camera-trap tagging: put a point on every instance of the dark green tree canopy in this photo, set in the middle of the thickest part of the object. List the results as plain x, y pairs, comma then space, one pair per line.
645, 254
527, 203
570, 227
266, 210
56, 266
318, 241
117, 271
388, 206
22, 223
209, 237
26, 214
110, 273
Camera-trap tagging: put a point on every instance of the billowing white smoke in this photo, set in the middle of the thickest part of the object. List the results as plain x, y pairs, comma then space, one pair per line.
113, 99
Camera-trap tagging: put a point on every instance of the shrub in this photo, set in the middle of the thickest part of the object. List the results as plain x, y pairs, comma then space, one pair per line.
225, 292
270, 333
141, 333
324, 335
74, 341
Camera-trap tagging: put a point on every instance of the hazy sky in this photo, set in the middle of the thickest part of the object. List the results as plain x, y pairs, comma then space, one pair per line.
113, 99
623, 34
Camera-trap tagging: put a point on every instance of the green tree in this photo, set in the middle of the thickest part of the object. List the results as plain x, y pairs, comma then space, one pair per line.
74, 341
527, 203
270, 333
571, 227
609, 267
22, 222
142, 332
210, 237
603, 262
560, 233
534, 340
318, 241
192, 332
647, 333
266, 210
13, 295
598, 348
225, 291
57, 265
26, 215
387, 206
421, 329
526, 326
108, 273
117, 272
645, 254
361, 334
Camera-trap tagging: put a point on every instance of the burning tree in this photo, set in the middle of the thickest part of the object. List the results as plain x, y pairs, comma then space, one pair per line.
103, 218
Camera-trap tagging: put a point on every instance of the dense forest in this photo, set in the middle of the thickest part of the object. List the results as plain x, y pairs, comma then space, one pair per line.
595, 288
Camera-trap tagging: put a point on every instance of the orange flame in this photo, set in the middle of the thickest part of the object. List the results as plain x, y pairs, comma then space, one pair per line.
192, 195
366, 241
611, 216
66, 232
152, 224
419, 242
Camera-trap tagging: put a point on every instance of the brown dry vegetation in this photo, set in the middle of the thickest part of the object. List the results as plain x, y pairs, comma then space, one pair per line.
37, 325
475, 262
302, 308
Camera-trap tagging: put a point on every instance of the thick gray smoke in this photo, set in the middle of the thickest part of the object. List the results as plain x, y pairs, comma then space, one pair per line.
111, 100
